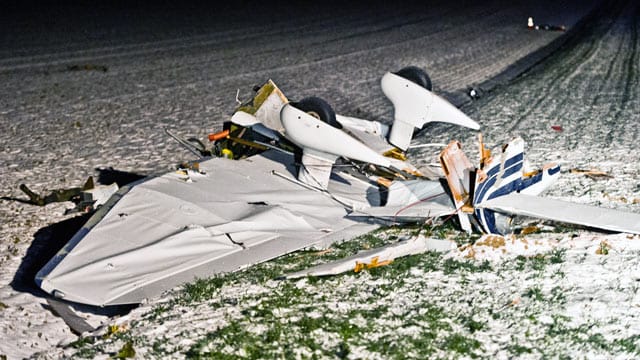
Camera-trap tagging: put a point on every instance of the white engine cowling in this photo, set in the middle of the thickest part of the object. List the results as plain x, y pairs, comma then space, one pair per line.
415, 106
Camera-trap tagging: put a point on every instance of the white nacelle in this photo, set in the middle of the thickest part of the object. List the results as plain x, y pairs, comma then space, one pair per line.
311, 133
415, 106
321, 145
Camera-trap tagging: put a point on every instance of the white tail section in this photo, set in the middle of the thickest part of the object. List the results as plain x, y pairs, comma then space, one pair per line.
504, 174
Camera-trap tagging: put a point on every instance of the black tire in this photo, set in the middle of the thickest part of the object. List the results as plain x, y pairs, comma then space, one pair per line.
416, 75
319, 109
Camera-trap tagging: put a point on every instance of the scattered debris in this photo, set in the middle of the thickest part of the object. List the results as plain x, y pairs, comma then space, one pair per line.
77, 324
594, 174
127, 351
474, 93
532, 26
529, 230
87, 198
603, 248
376, 257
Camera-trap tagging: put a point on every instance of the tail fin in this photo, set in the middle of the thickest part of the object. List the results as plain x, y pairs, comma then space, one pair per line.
503, 174
497, 176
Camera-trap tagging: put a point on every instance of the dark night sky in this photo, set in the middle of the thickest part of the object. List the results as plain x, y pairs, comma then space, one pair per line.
32, 24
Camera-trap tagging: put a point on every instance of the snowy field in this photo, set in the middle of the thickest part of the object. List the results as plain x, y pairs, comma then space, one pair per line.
559, 291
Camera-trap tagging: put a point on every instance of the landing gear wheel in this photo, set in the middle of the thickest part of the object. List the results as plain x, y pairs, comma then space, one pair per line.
319, 109
416, 75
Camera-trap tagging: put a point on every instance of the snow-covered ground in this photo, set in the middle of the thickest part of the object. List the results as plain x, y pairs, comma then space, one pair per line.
577, 298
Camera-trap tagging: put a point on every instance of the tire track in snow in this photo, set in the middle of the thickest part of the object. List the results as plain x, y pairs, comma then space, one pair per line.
631, 83
596, 103
559, 74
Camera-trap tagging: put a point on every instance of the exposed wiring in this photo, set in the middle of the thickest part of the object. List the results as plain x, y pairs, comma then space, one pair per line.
416, 203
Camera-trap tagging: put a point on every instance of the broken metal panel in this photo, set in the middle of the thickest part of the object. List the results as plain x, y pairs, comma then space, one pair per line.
315, 169
266, 105
372, 133
76, 323
459, 172
558, 210
405, 214
376, 257
413, 200
412, 192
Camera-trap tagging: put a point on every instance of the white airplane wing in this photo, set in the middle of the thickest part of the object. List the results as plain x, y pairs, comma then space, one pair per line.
562, 211
171, 229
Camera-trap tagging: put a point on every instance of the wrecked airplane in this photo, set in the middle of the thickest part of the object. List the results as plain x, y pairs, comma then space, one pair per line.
282, 176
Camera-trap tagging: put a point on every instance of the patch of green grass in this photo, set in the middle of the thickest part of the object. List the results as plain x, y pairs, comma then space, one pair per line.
557, 295
159, 349
451, 265
88, 347
535, 293
302, 330
584, 336
388, 348
230, 333
450, 230
158, 310
399, 269
462, 345
278, 340
473, 325
557, 256
431, 319
202, 289
629, 345
126, 351
82, 341
539, 262
559, 274
517, 349
348, 248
